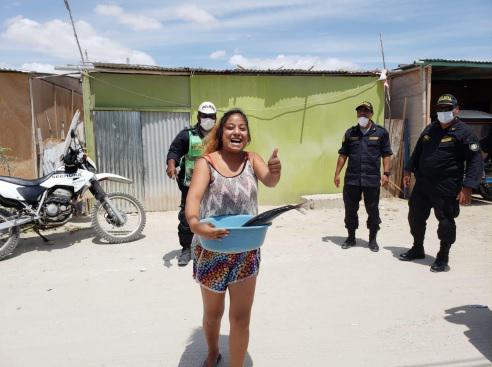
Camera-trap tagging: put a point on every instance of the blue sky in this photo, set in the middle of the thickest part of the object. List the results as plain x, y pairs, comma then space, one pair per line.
220, 34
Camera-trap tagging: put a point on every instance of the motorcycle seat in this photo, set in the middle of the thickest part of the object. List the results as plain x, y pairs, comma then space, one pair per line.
24, 182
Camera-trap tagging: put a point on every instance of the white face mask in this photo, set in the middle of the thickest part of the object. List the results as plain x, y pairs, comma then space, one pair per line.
207, 123
445, 117
363, 121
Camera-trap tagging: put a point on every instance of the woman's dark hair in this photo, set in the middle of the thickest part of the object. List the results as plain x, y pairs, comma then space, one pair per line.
215, 141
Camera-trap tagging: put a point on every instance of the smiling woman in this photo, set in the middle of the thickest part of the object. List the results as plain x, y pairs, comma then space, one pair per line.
225, 183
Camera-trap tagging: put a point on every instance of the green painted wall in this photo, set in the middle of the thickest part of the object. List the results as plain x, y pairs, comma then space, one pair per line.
140, 92
304, 116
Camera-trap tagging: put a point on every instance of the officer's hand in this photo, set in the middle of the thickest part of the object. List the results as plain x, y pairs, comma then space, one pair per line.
384, 180
274, 166
464, 196
208, 231
406, 179
171, 171
336, 180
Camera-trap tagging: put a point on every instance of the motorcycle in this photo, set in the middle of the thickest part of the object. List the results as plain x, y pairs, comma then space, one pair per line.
485, 188
49, 202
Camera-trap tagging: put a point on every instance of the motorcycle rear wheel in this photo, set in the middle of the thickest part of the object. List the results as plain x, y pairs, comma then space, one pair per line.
132, 211
486, 191
9, 238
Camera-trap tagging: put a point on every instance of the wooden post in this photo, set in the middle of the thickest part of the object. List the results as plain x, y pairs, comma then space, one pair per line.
41, 152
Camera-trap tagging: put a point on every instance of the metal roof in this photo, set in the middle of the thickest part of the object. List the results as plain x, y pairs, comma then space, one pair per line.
7, 70
151, 69
474, 115
448, 63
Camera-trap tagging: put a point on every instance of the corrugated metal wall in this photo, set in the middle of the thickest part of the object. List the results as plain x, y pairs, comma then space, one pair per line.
118, 136
158, 131
135, 145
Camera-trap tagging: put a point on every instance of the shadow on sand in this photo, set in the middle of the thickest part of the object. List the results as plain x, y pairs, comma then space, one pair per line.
396, 251
196, 351
478, 320
338, 240
57, 241
171, 255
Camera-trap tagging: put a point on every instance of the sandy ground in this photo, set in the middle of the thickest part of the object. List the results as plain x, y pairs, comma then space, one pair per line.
79, 302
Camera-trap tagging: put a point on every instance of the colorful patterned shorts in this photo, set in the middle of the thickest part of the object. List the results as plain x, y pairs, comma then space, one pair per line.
215, 270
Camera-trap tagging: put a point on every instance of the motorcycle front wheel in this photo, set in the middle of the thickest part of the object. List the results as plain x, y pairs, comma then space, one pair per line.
108, 228
9, 238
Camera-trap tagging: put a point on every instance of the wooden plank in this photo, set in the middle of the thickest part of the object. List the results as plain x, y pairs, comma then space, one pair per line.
41, 152
395, 130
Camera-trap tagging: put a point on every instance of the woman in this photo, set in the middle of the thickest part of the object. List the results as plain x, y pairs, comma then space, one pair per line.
225, 183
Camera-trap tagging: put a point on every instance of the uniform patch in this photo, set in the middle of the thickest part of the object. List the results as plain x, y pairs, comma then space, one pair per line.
426, 137
474, 147
374, 138
354, 138
447, 139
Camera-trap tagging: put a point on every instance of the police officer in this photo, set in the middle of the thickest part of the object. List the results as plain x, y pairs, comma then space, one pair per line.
363, 144
185, 149
447, 165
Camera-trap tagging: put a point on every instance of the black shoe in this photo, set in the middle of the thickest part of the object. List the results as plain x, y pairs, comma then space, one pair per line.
185, 257
349, 242
373, 245
441, 263
413, 254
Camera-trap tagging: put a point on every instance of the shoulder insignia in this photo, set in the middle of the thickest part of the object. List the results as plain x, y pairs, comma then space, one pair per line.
426, 137
474, 147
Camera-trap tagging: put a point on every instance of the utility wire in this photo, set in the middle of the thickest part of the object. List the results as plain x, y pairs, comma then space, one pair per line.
67, 5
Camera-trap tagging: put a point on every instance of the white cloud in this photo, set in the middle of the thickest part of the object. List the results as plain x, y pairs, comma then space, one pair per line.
216, 55
135, 21
193, 13
55, 38
41, 68
292, 62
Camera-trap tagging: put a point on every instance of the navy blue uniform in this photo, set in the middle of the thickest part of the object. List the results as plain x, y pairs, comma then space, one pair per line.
443, 161
178, 149
363, 174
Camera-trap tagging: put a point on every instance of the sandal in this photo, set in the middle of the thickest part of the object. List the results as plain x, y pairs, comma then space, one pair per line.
219, 357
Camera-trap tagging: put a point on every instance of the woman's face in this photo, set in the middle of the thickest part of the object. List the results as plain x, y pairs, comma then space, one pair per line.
235, 134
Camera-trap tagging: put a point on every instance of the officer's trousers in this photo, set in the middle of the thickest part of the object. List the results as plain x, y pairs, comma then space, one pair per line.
351, 199
184, 232
446, 208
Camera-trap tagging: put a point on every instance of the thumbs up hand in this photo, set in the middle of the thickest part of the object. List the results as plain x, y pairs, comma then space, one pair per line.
274, 166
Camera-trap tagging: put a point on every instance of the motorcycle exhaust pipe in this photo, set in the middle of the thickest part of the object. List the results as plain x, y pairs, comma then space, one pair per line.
16, 222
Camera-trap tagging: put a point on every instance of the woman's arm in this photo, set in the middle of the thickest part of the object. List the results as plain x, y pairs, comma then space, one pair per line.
269, 174
199, 183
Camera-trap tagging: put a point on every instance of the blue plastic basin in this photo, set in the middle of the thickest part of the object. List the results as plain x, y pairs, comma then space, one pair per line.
240, 239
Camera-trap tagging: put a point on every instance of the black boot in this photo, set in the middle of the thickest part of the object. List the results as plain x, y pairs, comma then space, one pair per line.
350, 241
184, 257
416, 252
373, 244
442, 259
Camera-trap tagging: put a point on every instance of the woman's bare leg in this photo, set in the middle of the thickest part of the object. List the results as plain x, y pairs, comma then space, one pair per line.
241, 296
213, 309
